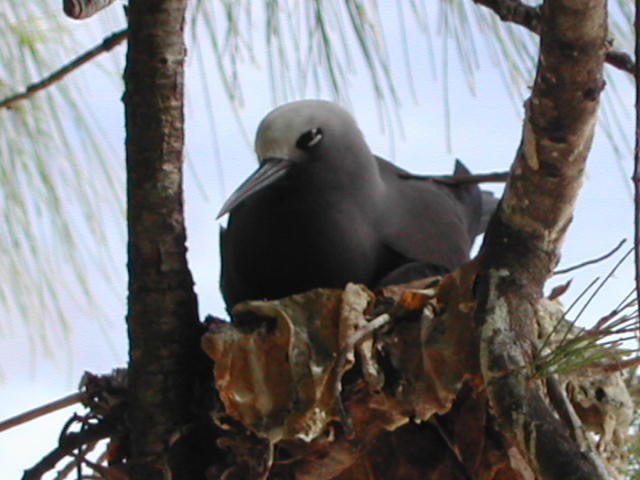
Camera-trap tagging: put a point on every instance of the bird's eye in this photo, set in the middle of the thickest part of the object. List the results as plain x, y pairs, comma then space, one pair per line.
309, 139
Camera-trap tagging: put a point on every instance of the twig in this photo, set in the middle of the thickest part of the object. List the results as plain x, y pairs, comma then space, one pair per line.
606, 319
591, 262
621, 61
107, 44
620, 365
69, 443
106, 472
498, 177
76, 462
563, 406
592, 335
625, 302
348, 346
559, 290
527, 16
602, 284
560, 322
514, 11
42, 410
81, 9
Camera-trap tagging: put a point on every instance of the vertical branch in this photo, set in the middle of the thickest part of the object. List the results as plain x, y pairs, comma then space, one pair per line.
636, 170
162, 312
522, 243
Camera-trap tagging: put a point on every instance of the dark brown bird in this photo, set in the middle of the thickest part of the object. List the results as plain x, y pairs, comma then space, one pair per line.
321, 210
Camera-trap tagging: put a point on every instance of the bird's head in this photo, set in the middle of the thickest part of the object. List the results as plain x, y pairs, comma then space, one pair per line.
298, 132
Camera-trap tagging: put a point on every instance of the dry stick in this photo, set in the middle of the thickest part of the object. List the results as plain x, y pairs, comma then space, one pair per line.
591, 262
81, 9
625, 302
65, 471
68, 444
514, 11
497, 177
604, 282
595, 292
107, 472
621, 365
42, 410
107, 44
347, 347
621, 61
76, 463
527, 16
563, 406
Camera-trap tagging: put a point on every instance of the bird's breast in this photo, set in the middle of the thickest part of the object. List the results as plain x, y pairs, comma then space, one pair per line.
280, 243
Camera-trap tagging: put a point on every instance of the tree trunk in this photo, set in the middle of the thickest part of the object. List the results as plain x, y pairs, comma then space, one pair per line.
522, 244
162, 316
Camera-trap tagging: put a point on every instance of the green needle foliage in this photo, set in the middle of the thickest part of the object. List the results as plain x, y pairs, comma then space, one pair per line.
58, 188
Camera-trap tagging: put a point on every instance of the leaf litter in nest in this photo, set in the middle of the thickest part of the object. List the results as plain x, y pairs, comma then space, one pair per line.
276, 376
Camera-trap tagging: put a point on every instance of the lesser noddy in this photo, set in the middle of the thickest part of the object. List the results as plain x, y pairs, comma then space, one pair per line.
321, 210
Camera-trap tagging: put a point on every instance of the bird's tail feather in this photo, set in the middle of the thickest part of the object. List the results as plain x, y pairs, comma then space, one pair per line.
470, 196
489, 204
479, 204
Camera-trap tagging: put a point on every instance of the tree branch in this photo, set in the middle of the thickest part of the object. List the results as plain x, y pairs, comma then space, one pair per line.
592, 261
522, 243
69, 443
107, 44
495, 177
165, 362
514, 11
636, 170
527, 16
42, 410
81, 9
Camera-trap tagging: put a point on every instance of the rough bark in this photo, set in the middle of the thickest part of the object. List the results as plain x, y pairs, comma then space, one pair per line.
162, 317
522, 245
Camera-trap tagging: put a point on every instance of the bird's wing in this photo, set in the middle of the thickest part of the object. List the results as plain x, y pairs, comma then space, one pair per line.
489, 204
433, 223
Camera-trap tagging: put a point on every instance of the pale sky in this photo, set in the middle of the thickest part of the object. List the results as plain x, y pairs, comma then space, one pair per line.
485, 131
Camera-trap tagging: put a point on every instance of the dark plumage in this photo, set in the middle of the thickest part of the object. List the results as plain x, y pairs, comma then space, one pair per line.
322, 210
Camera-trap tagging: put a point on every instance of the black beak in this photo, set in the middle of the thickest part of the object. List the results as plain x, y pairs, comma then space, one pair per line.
269, 172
